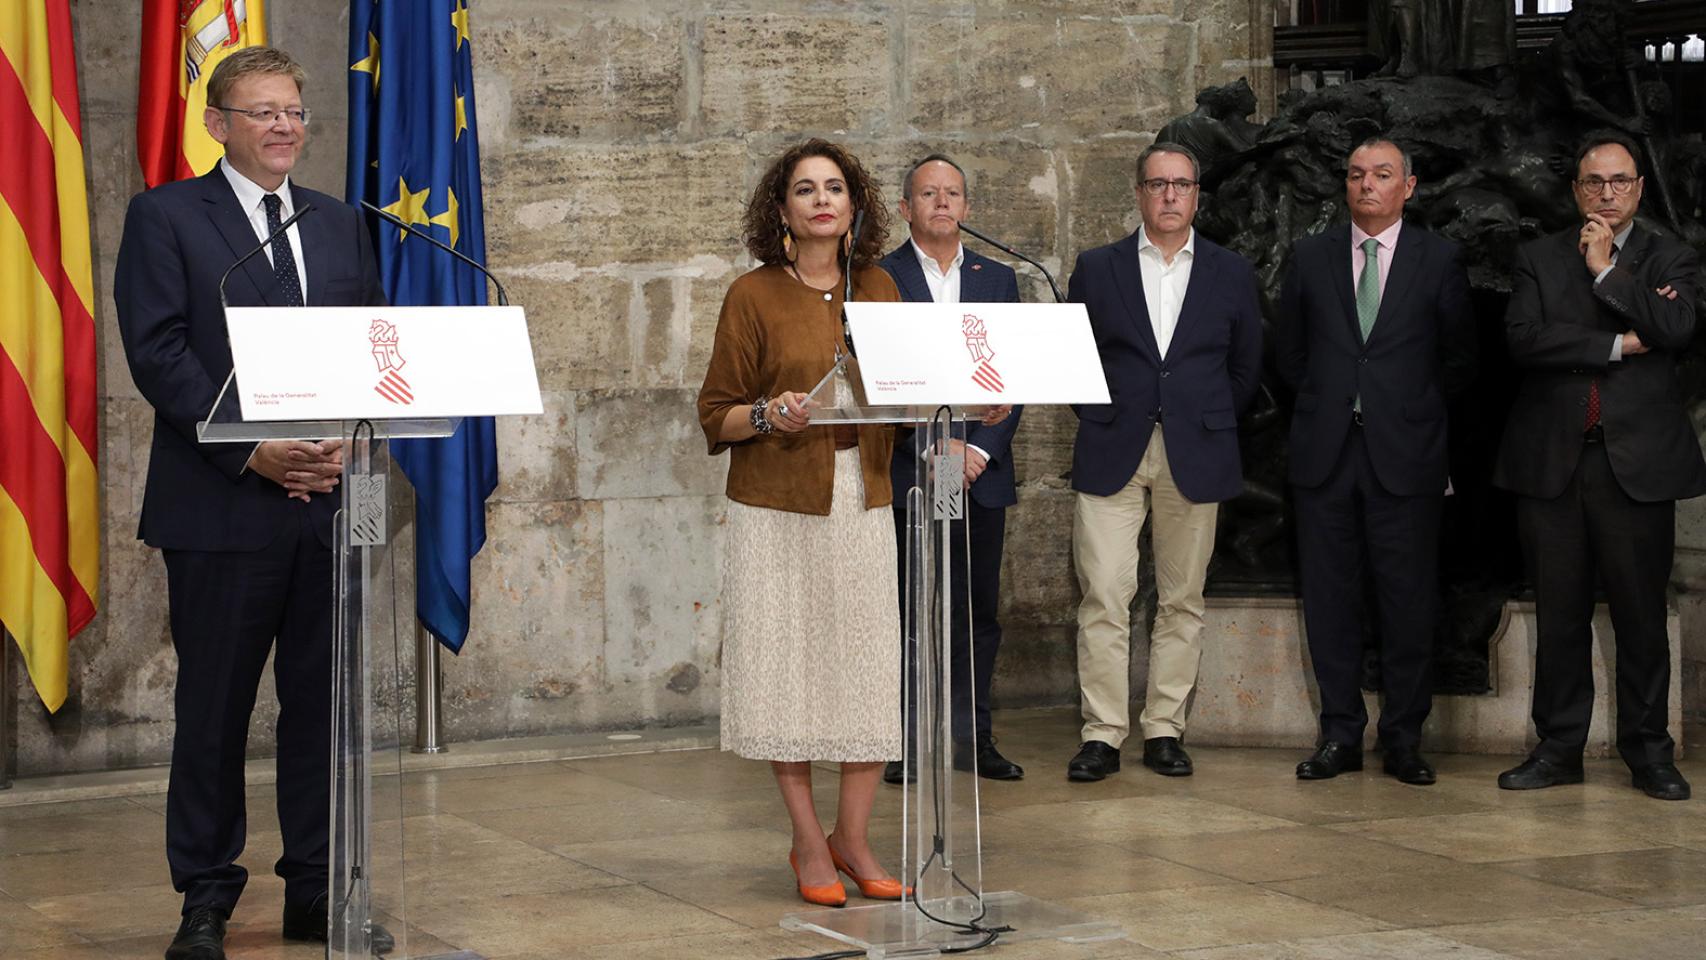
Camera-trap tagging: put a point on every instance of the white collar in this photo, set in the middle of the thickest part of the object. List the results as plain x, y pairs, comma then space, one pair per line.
249, 193
1622, 239
1144, 243
1387, 238
929, 263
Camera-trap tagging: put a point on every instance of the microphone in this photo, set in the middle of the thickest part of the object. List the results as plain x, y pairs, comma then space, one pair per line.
298, 215
847, 291
401, 224
1012, 252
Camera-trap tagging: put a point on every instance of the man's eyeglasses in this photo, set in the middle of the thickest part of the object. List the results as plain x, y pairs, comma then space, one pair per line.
1157, 186
1594, 186
296, 115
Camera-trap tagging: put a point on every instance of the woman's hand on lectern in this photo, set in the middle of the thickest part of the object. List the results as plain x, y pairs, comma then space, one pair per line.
790, 412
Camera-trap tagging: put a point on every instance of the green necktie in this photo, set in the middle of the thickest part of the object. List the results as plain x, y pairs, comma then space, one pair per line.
1368, 287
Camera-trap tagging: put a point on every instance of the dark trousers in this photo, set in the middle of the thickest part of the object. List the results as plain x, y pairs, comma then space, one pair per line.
1338, 523
226, 610
972, 665
1593, 526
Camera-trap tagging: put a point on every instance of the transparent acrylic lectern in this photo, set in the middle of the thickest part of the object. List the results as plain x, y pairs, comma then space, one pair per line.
372, 681
942, 843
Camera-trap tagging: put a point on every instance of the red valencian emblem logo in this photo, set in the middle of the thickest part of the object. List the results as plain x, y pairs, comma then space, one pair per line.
977, 343
391, 384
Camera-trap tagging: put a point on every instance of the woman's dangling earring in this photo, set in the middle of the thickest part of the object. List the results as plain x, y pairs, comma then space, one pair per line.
847, 244
787, 243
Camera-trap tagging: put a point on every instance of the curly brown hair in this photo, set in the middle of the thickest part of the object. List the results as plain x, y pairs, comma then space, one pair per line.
761, 226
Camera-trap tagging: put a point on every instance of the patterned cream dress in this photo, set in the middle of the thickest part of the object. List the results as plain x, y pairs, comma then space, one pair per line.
811, 630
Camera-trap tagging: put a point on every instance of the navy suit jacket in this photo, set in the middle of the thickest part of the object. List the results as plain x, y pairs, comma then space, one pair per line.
1420, 353
982, 280
1209, 377
178, 239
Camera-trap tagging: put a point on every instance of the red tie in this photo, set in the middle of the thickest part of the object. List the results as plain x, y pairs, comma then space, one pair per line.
1593, 405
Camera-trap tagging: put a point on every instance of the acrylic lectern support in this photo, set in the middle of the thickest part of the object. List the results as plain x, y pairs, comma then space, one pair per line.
941, 845
372, 680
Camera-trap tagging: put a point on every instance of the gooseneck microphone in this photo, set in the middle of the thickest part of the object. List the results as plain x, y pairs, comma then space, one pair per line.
847, 276
401, 224
1012, 252
286, 225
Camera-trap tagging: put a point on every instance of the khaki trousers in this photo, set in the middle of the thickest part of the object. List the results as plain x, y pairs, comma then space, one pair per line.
1104, 551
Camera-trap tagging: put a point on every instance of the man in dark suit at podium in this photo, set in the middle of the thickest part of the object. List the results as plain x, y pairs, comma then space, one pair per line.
245, 529
934, 267
1179, 331
1598, 449
1375, 332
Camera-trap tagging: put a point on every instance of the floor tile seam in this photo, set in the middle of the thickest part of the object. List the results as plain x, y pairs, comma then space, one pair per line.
1573, 911
1444, 862
1597, 916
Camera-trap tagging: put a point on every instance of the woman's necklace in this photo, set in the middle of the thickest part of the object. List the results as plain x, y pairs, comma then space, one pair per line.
794, 271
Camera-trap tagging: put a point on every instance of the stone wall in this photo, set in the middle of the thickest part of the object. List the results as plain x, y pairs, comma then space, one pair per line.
620, 140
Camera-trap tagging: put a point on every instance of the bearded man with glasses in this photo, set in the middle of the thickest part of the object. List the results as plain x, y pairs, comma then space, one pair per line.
1179, 330
1598, 449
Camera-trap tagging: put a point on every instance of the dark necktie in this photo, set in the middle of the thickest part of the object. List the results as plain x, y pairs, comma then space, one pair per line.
1593, 385
283, 261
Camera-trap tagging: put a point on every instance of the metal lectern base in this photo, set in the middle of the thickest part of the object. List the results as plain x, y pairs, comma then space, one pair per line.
891, 931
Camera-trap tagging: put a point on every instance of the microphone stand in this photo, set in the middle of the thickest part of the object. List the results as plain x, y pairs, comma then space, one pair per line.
401, 224
1012, 252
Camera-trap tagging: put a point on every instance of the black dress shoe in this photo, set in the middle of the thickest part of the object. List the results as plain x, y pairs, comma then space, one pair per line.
1408, 766
201, 935
1661, 781
1329, 760
306, 921
1536, 772
991, 765
1165, 756
897, 773
1094, 761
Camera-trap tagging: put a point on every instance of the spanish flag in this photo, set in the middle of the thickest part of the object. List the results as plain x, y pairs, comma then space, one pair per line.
49, 493
182, 41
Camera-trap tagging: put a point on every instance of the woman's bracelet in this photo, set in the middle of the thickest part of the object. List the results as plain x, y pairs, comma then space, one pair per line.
761, 423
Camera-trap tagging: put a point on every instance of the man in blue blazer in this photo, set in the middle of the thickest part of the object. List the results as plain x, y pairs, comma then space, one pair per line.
245, 529
933, 267
1375, 332
1179, 329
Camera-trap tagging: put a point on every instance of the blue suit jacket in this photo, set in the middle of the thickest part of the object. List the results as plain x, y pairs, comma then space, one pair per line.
1210, 375
178, 239
982, 280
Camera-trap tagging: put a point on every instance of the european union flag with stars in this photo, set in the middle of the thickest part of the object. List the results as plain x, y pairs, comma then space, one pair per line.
412, 152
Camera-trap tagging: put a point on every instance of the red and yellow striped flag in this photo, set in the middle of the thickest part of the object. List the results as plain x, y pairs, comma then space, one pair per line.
182, 41
49, 492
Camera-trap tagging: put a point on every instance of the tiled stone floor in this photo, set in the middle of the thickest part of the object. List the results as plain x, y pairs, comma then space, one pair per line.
684, 855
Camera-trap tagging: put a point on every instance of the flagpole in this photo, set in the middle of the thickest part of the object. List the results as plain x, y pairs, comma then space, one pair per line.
8, 705
428, 718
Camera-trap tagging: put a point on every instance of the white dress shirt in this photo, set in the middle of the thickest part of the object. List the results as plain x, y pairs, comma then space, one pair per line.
944, 287
1164, 284
249, 198
1388, 240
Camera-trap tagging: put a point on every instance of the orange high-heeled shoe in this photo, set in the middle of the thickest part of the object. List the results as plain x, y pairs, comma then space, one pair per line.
828, 895
887, 888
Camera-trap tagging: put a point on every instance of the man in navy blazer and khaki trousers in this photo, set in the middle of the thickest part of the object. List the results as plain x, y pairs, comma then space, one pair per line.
245, 529
1375, 333
934, 267
1179, 330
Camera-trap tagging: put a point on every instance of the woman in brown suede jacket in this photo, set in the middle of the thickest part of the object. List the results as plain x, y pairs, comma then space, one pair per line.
811, 662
